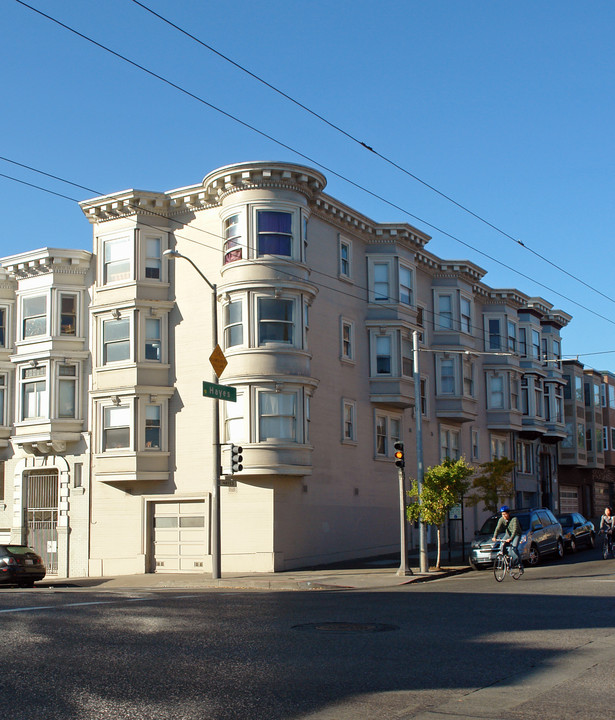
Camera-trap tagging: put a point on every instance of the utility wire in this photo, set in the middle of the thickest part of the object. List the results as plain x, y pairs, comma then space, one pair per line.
370, 149
136, 207
300, 154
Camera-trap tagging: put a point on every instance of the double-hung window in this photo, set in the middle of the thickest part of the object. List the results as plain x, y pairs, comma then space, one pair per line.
523, 342
349, 425
468, 377
67, 391
449, 444
277, 416
275, 321
3, 392
153, 258
407, 357
466, 315
497, 396
116, 340
445, 312
3, 321
34, 316
68, 314
347, 340
535, 345
512, 336
381, 282
494, 341
117, 260
405, 286
447, 376
233, 324
345, 258
152, 339
235, 419
34, 395
383, 354
499, 447
116, 427
233, 249
274, 231
152, 427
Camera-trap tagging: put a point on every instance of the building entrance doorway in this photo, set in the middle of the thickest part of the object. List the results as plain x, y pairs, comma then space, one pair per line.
41, 515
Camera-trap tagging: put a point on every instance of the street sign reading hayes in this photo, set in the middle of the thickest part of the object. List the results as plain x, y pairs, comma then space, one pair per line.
221, 392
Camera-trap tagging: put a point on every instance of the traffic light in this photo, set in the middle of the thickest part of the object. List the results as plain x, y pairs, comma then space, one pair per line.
399, 454
236, 459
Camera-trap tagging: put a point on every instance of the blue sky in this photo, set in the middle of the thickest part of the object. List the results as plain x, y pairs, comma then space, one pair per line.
506, 107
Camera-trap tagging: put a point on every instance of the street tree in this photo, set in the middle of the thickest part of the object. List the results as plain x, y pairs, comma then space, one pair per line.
443, 487
493, 484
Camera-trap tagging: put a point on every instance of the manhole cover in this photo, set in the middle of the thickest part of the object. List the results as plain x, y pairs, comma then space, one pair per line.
345, 627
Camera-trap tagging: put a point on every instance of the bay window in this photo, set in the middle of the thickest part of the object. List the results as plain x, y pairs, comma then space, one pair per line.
444, 312
67, 391
494, 336
117, 255
34, 395
68, 314
383, 354
496, 390
233, 249
116, 427
3, 323
3, 393
275, 320
34, 316
277, 412
153, 258
274, 233
152, 426
512, 336
235, 419
405, 285
233, 324
446, 376
381, 282
466, 315
116, 340
152, 339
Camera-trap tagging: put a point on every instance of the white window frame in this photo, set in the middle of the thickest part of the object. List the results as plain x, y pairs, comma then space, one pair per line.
468, 380
295, 233
67, 379
446, 314
230, 324
154, 342
406, 361
125, 316
60, 295
292, 417
23, 300
349, 421
37, 376
450, 440
410, 288
498, 447
234, 235
152, 262
347, 340
392, 426
494, 342
147, 424
4, 379
344, 258
293, 323
493, 378
376, 344
108, 409
237, 418
381, 288
118, 239
452, 362
5, 326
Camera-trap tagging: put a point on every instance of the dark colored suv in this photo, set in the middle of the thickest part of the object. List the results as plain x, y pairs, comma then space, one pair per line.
541, 535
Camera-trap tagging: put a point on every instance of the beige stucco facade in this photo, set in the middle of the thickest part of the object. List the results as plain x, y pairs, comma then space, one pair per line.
316, 305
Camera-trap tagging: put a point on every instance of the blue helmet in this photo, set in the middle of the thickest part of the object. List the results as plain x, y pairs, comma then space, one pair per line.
504, 508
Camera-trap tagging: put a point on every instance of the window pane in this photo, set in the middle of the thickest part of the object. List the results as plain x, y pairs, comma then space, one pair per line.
274, 233
117, 416
275, 320
116, 438
66, 401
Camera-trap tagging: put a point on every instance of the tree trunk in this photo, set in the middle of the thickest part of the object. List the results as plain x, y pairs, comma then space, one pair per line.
439, 529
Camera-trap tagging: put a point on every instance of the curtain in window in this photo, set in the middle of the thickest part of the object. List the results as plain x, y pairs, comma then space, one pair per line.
277, 416
274, 233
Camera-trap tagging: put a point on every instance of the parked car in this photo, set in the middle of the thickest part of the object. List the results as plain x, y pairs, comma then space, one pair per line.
577, 531
20, 565
541, 535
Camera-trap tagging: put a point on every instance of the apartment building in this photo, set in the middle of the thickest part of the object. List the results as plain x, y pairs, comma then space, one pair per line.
107, 438
587, 455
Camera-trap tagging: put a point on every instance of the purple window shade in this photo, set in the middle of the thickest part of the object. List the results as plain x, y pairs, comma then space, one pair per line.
274, 222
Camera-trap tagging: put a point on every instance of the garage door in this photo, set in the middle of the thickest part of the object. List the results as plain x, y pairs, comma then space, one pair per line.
569, 499
180, 536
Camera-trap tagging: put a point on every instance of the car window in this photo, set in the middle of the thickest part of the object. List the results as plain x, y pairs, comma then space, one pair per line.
489, 526
544, 518
549, 515
536, 523
568, 519
19, 550
524, 521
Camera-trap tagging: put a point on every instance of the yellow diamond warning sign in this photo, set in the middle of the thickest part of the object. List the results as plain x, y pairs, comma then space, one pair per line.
218, 361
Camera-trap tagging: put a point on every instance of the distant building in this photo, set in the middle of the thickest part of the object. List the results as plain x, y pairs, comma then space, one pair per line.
107, 437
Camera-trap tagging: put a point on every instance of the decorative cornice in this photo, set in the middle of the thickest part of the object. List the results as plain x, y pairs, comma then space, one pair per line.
47, 261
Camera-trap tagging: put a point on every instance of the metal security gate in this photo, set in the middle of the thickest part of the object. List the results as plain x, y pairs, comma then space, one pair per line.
41, 515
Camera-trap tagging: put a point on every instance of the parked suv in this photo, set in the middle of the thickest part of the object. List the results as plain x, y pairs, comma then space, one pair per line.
541, 535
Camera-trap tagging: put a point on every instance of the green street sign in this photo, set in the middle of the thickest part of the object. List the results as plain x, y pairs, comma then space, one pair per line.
220, 392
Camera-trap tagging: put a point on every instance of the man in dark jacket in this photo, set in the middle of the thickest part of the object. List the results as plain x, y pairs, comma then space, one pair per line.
512, 529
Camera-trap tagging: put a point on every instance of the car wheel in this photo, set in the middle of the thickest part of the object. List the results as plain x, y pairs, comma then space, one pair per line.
534, 555
573, 545
592, 541
559, 550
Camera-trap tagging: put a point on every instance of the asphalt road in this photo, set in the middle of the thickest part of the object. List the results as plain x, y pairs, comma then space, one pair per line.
462, 647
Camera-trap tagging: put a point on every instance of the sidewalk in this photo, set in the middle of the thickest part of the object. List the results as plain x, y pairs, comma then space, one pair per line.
365, 576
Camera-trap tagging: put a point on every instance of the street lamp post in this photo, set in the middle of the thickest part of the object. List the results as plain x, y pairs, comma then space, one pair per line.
216, 554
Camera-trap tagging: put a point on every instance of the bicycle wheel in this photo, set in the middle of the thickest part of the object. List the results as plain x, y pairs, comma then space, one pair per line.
516, 571
499, 568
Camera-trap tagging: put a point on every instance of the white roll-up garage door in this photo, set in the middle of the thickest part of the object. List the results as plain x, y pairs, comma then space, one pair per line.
569, 499
180, 536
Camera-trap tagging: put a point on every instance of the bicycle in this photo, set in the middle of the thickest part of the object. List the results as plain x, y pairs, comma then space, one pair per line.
607, 544
503, 564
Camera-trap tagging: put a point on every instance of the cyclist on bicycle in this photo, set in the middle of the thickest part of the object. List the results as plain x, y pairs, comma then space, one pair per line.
607, 523
512, 529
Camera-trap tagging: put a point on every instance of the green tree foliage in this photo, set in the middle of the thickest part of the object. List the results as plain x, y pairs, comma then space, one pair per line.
493, 485
443, 486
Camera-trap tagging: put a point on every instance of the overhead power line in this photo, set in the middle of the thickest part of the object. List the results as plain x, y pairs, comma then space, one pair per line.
201, 100
369, 148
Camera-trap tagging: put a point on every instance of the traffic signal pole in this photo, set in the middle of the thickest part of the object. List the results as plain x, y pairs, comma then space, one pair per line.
401, 464
420, 474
